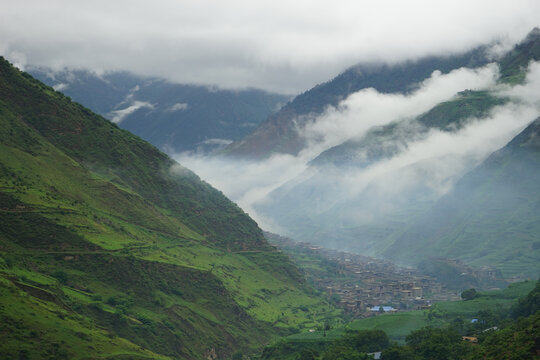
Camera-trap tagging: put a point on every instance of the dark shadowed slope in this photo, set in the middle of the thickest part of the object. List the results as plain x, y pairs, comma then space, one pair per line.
490, 217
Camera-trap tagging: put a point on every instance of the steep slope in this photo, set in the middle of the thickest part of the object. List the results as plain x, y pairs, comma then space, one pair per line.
313, 208
490, 217
324, 205
278, 134
109, 249
173, 117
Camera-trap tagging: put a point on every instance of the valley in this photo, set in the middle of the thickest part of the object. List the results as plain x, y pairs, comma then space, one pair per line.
109, 247
361, 285
174, 187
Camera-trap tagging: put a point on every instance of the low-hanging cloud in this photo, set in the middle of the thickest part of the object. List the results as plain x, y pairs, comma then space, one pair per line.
276, 45
245, 182
117, 116
60, 86
433, 160
177, 107
368, 108
442, 155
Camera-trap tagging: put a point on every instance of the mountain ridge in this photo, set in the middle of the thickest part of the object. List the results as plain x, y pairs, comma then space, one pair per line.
173, 117
108, 248
491, 207
314, 207
278, 133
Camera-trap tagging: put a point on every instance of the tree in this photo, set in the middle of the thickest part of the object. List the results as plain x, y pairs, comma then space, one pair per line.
529, 304
469, 294
437, 344
397, 352
307, 354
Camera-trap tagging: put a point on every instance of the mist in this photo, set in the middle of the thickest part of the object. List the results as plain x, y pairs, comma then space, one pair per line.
284, 191
367, 108
273, 45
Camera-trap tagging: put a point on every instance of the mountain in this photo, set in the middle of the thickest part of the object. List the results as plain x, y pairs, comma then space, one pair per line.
109, 249
320, 211
173, 117
278, 133
385, 141
356, 196
490, 217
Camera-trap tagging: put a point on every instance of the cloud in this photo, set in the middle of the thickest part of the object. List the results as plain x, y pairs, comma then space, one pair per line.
221, 142
275, 45
442, 156
60, 86
367, 108
18, 59
118, 116
245, 182
177, 107
429, 162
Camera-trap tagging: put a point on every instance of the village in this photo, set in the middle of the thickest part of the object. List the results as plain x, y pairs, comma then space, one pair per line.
364, 286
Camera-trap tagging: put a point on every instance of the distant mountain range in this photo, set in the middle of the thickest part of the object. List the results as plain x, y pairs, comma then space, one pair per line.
408, 224
278, 133
323, 205
173, 117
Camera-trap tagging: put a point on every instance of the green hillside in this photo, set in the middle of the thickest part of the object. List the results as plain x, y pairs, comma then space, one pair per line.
490, 217
109, 249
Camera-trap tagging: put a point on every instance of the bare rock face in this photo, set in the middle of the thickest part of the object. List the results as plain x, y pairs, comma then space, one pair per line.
211, 354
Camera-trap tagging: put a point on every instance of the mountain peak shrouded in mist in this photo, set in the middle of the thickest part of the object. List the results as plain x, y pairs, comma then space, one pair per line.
390, 150
280, 133
354, 173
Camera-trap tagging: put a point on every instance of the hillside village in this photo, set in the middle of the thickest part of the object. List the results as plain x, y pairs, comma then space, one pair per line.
361, 284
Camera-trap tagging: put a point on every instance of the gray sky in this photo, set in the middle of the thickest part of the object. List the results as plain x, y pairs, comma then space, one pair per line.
285, 46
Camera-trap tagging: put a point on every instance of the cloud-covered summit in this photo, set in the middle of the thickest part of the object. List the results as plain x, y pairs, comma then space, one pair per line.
275, 45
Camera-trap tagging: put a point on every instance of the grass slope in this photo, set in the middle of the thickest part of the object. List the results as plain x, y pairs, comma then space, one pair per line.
131, 249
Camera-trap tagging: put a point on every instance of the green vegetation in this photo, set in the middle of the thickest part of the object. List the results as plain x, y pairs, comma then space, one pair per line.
432, 334
513, 64
452, 115
109, 249
469, 294
498, 336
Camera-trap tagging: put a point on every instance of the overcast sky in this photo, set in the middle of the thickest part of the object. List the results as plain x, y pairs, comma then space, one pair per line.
285, 46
